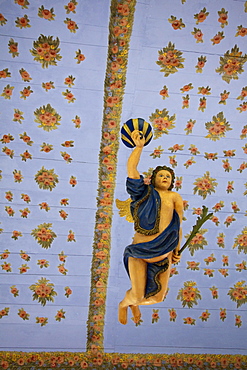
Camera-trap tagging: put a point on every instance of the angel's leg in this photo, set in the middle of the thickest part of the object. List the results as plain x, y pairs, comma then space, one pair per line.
138, 273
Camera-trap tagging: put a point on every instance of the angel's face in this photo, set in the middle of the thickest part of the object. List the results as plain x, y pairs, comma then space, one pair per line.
163, 180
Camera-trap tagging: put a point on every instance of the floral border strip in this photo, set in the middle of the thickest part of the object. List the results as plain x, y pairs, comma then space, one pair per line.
120, 29
110, 361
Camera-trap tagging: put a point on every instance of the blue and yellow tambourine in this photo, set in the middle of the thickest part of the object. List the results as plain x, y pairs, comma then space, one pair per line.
132, 125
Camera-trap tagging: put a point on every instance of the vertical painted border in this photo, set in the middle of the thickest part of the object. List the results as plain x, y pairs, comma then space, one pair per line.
120, 29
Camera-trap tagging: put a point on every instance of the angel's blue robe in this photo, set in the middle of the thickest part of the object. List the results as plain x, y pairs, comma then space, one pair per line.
147, 202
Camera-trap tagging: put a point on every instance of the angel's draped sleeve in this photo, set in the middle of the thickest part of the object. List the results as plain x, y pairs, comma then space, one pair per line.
145, 206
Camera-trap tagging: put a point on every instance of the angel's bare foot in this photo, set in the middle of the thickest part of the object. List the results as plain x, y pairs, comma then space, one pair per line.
136, 313
122, 313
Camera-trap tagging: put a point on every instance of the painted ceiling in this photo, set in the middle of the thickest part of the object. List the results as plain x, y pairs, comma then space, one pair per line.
71, 73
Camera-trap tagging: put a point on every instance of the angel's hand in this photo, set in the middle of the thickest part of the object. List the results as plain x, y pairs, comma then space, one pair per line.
138, 138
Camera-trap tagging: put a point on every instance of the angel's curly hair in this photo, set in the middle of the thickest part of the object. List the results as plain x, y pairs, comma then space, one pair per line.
160, 168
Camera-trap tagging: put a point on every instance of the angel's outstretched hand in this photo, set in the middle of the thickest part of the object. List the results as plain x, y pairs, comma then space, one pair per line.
138, 138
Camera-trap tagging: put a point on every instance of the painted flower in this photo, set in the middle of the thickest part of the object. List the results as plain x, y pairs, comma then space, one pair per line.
5, 254
230, 187
62, 269
189, 162
231, 64
193, 149
26, 155
177, 24
205, 315
4, 73
60, 315
223, 17
66, 157
243, 132
18, 177
208, 272
7, 91
48, 85
241, 241
229, 220
178, 183
210, 259
192, 265
14, 291
235, 207
22, 22
46, 179
46, 13
189, 127
44, 235
204, 90
170, 59
73, 181
62, 257
226, 165
200, 64
201, 16
205, 185
218, 206
242, 107
223, 314
217, 127
47, 117
79, 56
64, 201
25, 76
8, 152
68, 143
198, 35
223, 272
155, 316
42, 321
77, 121
46, 148
23, 3
69, 81
18, 116
43, 263
16, 234
157, 152
24, 212
71, 6
71, 236
214, 292
243, 94
9, 211
13, 48
176, 147
46, 51
71, 25
63, 214
23, 314
238, 293
24, 256
189, 294
215, 220
43, 291
221, 240
189, 321
241, 266
45, 206
186, 101
173, 271
68, 96
172, 314
3, 20
238, 321
164, 92
217, 38
172, 161
202, 104
9, 196
212, 156
68, 291
4, 312
224, 96
241, 31
23, 269
162, 122
6, 267
26, 139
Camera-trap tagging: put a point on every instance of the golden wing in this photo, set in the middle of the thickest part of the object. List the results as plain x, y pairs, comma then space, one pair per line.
124, 209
